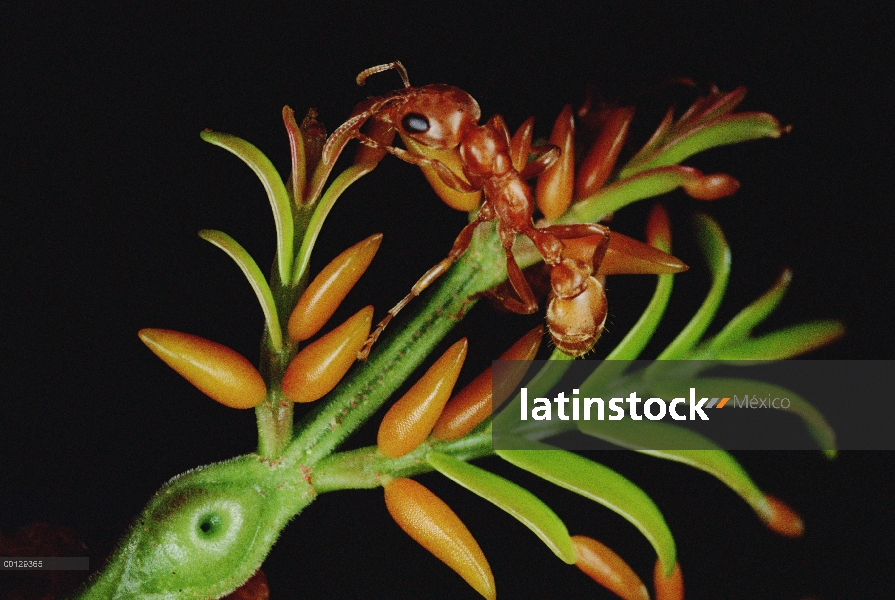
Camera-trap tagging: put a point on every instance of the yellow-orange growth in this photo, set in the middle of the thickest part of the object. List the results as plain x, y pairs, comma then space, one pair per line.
473, 403
318, 367
783, 519
557, 184
321, 299
465, 201
670, 587
608, 569
431, 522
410, 420
600, 160
219, 372
520, 144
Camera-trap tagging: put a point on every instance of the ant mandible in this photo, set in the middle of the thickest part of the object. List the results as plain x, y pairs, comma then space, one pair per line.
441, 116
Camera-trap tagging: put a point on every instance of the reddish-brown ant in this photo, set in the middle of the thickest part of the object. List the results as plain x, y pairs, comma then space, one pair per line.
439, 116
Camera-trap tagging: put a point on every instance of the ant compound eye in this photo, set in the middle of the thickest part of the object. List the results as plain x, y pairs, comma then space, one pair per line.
415, 123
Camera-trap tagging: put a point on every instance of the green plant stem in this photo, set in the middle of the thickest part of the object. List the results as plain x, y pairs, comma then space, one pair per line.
275, 417
366, 468
395, 357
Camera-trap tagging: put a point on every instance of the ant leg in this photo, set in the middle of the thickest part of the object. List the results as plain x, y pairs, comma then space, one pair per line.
584, 230
351, 129
381, 132
526, 304
333, 147
460, 245
341, 136
549, 155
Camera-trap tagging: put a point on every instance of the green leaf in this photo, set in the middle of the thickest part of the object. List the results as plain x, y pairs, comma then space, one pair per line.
817, 425
558, 354
521, 504
715, 105
784, 343
600, 484
739, 327
622, 193
276, 193
640, 334
256, 279
717, 254
730, 129
660, 439
612, 367
338, 186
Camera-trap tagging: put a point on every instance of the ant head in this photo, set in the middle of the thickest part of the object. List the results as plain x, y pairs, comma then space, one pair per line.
435, 115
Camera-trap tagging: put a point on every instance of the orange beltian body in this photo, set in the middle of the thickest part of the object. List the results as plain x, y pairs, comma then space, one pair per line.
473, 404
321, 299
438, 529
601, 158
219, 372
410, 420
465, 201
608, 569
557, 184
670, 587
783, 519
520, 144
318, 367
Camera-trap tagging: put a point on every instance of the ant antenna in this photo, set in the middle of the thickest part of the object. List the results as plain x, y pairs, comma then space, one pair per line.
397, 66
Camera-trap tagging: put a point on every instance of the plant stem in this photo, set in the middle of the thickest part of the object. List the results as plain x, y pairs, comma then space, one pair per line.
367, 468
274, 417
394, 359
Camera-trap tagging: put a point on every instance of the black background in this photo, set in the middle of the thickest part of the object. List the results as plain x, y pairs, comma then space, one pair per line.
106, 182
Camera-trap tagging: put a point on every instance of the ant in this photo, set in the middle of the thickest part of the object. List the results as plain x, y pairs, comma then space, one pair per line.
443, 117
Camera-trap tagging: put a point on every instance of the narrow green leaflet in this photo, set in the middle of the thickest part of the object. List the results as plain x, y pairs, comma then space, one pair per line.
719, 104
276, 193
661, 439
717, 254
338, 186
817, 425
256, 279
640, 334
785, 343
600, 484
521, 504
704, 110
560, 355
739, 327
622, 193
614, 365
730, 129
